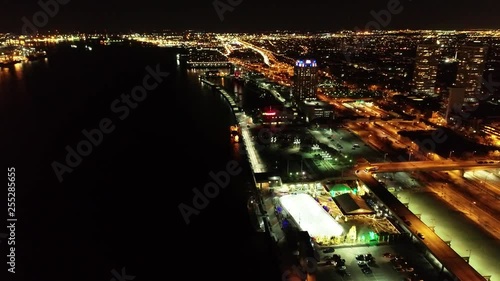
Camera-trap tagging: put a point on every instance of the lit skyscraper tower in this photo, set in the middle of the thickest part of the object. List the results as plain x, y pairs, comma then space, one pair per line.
426, 66
471, 61
305, 80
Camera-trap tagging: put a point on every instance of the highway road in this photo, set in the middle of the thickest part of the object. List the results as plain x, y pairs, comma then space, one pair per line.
452, 261
476, 200
486, 181
479, 203
274, 74
445, 165
464, 190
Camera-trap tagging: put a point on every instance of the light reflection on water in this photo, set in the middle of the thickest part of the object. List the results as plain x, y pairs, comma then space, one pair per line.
14, 79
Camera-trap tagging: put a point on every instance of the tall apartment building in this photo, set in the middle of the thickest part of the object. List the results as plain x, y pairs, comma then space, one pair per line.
471, 62
426, 67
305, 80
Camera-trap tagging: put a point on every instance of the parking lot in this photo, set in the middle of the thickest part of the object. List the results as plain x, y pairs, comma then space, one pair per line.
382, 269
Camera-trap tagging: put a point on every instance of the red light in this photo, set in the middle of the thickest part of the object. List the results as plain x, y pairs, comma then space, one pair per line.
269, 113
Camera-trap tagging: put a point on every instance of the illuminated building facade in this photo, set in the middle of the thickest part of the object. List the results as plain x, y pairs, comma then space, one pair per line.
317, 110
305, 80
426, 67
471, 63
273, 116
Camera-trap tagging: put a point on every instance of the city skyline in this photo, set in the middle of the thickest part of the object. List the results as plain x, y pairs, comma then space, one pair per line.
319, 141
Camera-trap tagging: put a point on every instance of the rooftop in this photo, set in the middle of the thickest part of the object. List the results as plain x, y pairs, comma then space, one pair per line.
310, 216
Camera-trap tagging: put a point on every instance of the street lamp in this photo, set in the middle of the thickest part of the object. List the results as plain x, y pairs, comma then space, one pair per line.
473, 203
385, 156
449, 156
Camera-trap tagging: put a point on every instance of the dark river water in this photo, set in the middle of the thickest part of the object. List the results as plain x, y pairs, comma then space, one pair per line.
106, 145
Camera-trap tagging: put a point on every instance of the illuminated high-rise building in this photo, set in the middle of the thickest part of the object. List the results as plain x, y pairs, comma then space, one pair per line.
305, 80
426, 67
471, 62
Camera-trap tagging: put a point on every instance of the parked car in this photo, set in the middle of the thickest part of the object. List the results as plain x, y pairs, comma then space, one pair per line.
366, 270
362, 264
344, 272
328, 250
388, 255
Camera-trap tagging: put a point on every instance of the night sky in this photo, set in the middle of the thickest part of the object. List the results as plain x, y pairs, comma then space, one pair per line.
249, 15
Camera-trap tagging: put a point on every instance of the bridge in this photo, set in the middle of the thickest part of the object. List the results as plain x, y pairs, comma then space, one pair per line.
445, 165
447, 257
391, 119
207, 64
343, 99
